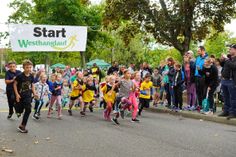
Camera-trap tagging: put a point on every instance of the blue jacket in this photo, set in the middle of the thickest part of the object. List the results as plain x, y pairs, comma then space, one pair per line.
199, 63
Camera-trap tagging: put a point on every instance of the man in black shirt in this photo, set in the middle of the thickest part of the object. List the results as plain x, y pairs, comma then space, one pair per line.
229, 84
113, 68
23, 88
9, 80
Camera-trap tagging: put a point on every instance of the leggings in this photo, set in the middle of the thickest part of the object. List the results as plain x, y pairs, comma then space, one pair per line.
133, 100
38, 106
108, 110
58, 103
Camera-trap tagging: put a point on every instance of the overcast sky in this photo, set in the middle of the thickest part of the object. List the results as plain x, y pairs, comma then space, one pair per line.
5, 11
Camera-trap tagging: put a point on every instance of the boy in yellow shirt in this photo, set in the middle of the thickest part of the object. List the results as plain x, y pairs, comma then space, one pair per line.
146, 92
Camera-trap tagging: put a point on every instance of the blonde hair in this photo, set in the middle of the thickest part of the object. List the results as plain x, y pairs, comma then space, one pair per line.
42, 75
27, 62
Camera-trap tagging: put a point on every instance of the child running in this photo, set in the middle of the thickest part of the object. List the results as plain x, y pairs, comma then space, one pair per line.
65, 93
56, 96
88, 95
126, 87
50, 85
109, 94
41, 89
23, 88
146, 92
76, 93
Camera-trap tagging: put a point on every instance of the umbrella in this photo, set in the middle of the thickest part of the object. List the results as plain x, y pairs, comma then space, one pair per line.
58, 65
100, 63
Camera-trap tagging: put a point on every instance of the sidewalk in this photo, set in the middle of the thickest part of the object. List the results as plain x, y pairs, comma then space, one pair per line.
194, 115
2, 85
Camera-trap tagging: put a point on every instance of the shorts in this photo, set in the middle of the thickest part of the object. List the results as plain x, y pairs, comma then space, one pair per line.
75, 97
92, 101
144, 102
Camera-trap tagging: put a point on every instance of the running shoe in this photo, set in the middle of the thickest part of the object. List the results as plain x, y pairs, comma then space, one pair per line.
82, 114
70, 112
135, 120
22, 129
91, 108
122, 114
35, 117
9, 116
115, 121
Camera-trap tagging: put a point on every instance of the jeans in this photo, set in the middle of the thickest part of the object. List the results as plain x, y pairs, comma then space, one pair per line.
169, 94
229, 93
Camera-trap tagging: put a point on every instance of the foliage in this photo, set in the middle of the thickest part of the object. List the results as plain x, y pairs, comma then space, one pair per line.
172, 22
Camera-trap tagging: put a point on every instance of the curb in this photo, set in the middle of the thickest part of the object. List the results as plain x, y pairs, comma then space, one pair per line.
188, 114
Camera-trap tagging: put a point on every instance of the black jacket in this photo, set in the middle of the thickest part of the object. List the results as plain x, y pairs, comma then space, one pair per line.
232, 65
210, 75
112, 69
178, 80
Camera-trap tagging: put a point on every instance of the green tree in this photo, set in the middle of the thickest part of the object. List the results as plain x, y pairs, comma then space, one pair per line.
63, 12
172, 22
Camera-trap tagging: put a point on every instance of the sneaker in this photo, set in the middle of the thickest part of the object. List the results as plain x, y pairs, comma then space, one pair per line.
22, 129
9, 116
135, 120
122, 114
115, 121
35, 116
82, 114
210, 113
231, 116
192, 108
70, 112
59, 117
91, 108
18, 115
223, 114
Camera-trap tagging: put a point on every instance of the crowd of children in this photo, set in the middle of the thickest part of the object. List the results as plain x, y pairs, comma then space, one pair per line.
124, 90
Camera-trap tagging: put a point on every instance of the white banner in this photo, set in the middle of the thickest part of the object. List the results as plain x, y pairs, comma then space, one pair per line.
25, 37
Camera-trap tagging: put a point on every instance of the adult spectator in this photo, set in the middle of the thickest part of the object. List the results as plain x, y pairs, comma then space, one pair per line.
113, 68
96, 72
145, 69
229, 85
199, 79
190, 54
131, 68
210, 73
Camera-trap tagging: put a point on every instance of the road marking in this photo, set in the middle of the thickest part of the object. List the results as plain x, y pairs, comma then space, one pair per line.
46, 109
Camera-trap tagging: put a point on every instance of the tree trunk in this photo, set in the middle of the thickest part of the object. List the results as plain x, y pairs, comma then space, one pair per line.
82, 60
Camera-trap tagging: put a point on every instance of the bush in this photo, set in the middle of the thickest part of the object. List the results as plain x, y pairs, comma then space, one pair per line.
2, 75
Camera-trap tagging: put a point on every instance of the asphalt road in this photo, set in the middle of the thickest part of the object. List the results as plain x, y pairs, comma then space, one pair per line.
159, 135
